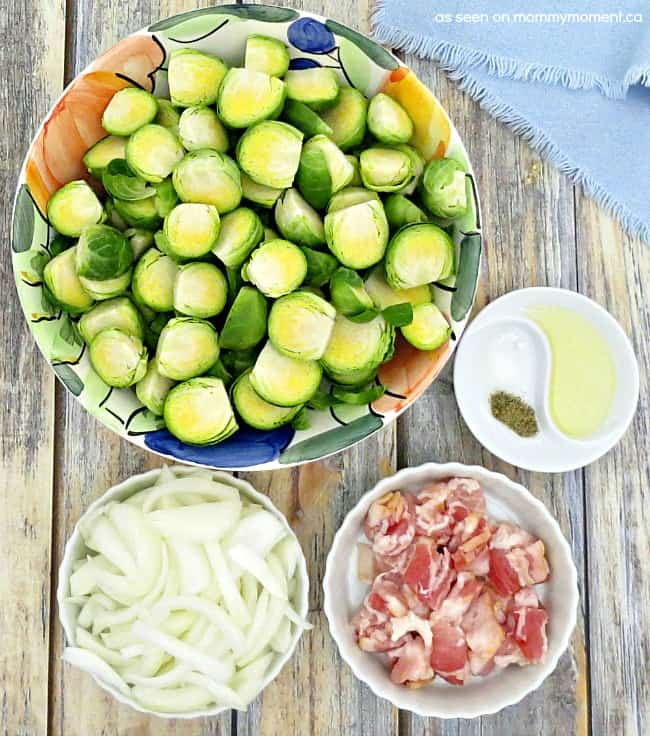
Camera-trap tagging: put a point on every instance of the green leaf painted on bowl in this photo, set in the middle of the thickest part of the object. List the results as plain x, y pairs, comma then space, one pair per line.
466, 280
24, 225
194, 23
142, 421
355, 64
268, 13
379, 55
331, 441
69, 378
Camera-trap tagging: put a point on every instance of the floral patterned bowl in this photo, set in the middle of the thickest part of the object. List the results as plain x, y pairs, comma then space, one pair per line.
73, 125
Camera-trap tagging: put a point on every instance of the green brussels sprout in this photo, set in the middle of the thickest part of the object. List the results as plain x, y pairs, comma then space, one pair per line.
356, 180
108, 149
167, 115
241, 231
200, 127
155, 327
141, 213
348, 293
113, 217
74, 207
258, 193
417, 255
284, 381
300, 325
347, 118
120, 182
219, 370
108, 288
305, 119
269, 234
153, 152
128, 110
119, 313
266, 54
269, 153
323, 170
187, 347
208, 177
418, 167
256, 412
358, 235
165, 198
353, 379
320, 267
141, 241
247, 97
388, 121
385, 169
317, 86
198, 411
350, 196
118, 358
200, 290
276, 267
298, 221
384, 296
191, 230
443, 188
401, 211
194, 77
357, 348
237, 362
153, 281
63, 285
59, 243
103, 260
429, 329
152, 388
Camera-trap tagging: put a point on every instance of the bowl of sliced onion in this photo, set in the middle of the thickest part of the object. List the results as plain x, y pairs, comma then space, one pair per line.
183, 592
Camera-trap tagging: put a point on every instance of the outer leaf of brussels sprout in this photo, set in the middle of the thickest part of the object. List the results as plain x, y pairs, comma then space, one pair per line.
320, 267
305, 119
398, 315
348, 293
120, 182
245, 325
238, 361
165, 198
401, 211
323, 171
103, 253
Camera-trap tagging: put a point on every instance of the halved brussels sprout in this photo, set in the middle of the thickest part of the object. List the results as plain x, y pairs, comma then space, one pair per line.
119, 313
118, 358
128, 110
200, 290
277, 267
418, 167
241, 231
419, 254
108, 288
353, 379
347, 118
165, 198
198, 411
385, 169
64, 287
152, 388
153, 152
245, 325
443, 188
103, 254
269, 153
167, 116
108, 149
349, 196
191, 230
300, 325
256, 412
208, 177
323, 170
320, 267
194, 77
348, 293
305, 119
356, 180
200, 127
120, 182
74, 207
429, 329
141, 241
384, 296
153, 281
266, 54
140, 213
113, 217
284, 381
358, 235
246, 97
357, 347
401, 211
258, 193
237, 362
388, 121
187, 347
317, 86
298, 221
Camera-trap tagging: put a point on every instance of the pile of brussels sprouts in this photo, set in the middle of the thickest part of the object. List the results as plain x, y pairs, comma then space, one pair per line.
184, 286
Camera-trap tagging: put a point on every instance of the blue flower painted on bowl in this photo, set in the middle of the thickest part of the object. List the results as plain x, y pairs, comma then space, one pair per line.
302, 63
308, 34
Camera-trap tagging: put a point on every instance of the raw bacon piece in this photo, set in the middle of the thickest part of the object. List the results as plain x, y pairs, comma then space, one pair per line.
465, 497
460, 598
483, 633
429, 573
373, 622
411, 665
517, 568
538, 568
469, 544
366, 567
394, 563
503, 576
431, 516
390, 523
507, 535
509, 653
530, 632
449, 652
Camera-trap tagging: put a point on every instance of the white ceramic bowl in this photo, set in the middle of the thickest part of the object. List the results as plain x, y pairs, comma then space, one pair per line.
344, 594
75, 549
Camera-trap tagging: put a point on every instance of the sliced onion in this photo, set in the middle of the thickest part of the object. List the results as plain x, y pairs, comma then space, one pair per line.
199, 523
275, 614
258, 530
281, 640
94, 665
102, 536
194, 569
173, 700
258, 567
223, 694
193, 486
288, 552
249, 680
87, 641
225, 581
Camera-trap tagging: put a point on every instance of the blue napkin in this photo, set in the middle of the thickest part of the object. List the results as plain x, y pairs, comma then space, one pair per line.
574, 82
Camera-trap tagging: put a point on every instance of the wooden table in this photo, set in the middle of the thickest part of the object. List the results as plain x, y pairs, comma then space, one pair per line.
55, 459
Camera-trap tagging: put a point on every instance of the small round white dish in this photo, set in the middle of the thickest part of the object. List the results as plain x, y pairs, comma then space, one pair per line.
344, 594
503, 349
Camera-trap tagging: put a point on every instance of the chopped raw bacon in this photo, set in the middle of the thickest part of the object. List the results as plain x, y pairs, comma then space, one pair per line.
431, 516
530, 632
449, 652
517, 568
506, 535
460, 598
465, 497
366, 567
411, 663
483, 633
429, 573
469, 544
509, 653
373, 622
390, 523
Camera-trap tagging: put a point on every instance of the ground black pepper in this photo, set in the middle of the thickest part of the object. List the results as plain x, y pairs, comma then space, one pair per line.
515, 413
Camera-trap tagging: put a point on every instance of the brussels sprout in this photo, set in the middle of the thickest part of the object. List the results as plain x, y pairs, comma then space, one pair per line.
429, 329
107, 288
198, 411
300, 325
269, 234
152, 388
305, 119
113, 217
258, 193
119, 313
74, 207
241, 231
200, 290
443, 188
401, 211
320, 267
200, 127
256, 412
277, 267
141, 213
187, 347
128, 110
348, 294
167, 115
247, 97
284, 381
194, 77
61, 280
317, 86
118, 358
191, 230
237, 362
298, 221
120, 182
155, 327
219, 370
208, 177
356, 180
165, 198
347, 118
418, 167
323, 170
266, 54
153, 152
269, 153
419, 254
358, 235
388, 121
153, 281
385, 169
59, 243
141, 241
353, 379
356, 348
350, 196
384, 296
103, 152
102, 254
